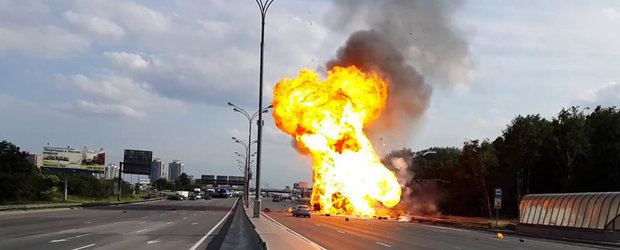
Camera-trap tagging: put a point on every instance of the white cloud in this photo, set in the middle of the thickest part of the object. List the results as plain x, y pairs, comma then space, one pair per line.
45, 41
605, 95
142, 19
112, 94
612, 14
82, 107
124, 60
98, 26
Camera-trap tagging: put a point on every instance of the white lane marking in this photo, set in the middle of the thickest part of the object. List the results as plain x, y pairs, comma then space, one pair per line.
144, 217
212, 229
169, 222
317, 225
340, 231
194, 223
87, 222
69, 238
140, 231
66, 231
293, 232
142, 222
82, 247
152, 241
185, 218
383, 244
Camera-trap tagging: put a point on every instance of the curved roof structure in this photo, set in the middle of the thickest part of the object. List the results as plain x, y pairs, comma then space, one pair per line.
573, 210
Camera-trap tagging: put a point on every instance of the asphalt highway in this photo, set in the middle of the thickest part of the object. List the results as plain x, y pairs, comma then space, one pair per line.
335, 232
155, 225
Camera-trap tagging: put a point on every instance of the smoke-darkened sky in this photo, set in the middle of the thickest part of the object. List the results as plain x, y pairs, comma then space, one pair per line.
158, 74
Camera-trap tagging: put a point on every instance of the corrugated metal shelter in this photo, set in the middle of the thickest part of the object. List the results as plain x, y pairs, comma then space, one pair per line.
581, 215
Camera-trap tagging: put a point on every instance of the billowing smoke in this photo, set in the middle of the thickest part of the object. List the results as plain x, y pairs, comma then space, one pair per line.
413, 45
418, 198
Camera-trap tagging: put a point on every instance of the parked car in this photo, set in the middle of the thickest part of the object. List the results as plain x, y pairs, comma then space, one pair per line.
302, 210
198, 197
207, 197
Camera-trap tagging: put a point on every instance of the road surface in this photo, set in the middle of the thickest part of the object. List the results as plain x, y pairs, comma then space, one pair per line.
334, 232
155, 225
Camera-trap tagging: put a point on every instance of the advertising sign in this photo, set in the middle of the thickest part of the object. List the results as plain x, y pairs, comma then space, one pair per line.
72, 160
302, 184
137, 161
144, 181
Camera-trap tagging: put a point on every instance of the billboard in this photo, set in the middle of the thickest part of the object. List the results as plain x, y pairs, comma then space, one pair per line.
221, 180
302, 184
137, 161
208, 179
72, 160
236, 180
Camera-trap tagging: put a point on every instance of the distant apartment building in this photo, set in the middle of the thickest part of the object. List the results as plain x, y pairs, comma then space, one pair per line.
175, 168
35, 159
110, 172
157, 170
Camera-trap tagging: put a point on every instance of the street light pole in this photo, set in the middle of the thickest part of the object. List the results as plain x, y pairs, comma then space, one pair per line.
263, 6
249, 145
246, 188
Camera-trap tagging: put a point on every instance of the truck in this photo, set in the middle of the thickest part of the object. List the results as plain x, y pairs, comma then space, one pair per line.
184, 194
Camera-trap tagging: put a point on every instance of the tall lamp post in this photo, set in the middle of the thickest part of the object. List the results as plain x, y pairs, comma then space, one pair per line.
248, 146
263, 6
246, 188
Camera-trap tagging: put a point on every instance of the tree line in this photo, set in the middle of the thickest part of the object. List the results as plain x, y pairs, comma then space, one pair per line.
576, 151
22, 182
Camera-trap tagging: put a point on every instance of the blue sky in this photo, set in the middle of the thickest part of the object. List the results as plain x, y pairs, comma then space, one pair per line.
157, 74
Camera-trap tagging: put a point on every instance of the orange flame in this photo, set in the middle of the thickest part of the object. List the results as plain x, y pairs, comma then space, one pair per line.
327, 118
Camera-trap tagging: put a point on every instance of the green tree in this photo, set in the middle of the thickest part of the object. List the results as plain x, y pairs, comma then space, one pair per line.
162, 184
520, 149
19, 179
602, 171
569, 146
183, 182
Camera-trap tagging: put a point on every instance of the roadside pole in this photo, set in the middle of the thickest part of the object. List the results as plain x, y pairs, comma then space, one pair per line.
64, 197
120, 173
497, 204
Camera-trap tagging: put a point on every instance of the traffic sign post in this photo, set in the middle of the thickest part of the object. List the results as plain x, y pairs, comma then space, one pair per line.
497, 204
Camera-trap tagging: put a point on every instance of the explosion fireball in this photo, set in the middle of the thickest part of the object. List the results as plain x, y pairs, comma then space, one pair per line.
326, 119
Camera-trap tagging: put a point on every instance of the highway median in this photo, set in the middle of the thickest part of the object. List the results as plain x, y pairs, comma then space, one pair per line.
26, 207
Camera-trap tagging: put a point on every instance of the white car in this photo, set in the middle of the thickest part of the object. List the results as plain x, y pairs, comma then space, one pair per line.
302, 210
